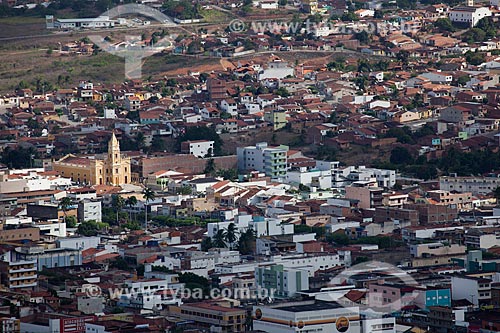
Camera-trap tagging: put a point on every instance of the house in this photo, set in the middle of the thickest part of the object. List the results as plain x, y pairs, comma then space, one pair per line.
405, 116
469, 14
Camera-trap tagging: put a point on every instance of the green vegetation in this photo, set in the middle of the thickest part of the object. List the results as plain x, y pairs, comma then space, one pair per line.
484, 30
91, 228
383, 242
405, 135
182, 9
474, 58
19, 157
444, 25
195, 282
246, 242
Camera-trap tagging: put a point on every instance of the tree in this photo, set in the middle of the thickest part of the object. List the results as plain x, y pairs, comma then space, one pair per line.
19, 157
219, 239
339, 238
496, 194
403, 57
185, 190
210, 166
444, 24
64, 204
283, 92
157, 144
227, 174
71, 222
117, 202
401, 155
231, 233
206, 244
148, 195
474, 35
246, 242
131, 202
474, 58
363, 37
90, 228
349, 17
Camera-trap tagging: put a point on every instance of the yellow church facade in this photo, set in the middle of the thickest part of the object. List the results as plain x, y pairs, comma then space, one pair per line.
114, 169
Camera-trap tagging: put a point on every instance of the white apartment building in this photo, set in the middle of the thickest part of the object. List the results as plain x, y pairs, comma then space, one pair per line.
313, 262
282, 282
89, 210
270, 160
78, 243
375, 325
198, 148
475, 288
470, 15
312, 178
345, 176
476, 185
481, 238
315, 316
29, 180
262, 226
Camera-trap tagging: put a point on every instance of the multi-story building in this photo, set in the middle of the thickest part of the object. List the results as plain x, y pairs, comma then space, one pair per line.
476, 288
462, 201
313, 316
281, 282
212, 314
311, 178
436, 249
20, 233
49, 258
468, 14
433, 297
18, 274
440, 319
395, 199
429, 214
475, 185
132, 103
277, 118
482, 238
270, 160
368, 196
404, 216
198, 148
89, 210
10, 325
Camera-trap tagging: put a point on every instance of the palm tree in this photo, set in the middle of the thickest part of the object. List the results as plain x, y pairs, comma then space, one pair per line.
118, 204
131, 202
231, 234
148, 195
246, 242
219, 239
65, 203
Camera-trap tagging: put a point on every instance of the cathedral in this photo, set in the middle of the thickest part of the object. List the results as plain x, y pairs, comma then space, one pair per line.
112, 169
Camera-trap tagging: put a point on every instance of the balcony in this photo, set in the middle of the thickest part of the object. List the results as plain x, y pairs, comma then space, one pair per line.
24, 285
19, 278
22, 270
